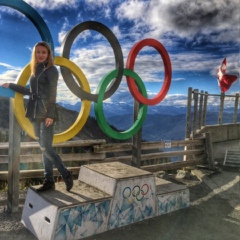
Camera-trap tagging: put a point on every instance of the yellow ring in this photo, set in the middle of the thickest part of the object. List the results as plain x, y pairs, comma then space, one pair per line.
19, 109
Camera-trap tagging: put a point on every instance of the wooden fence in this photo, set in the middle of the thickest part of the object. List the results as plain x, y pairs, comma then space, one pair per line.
197, 109
155, 156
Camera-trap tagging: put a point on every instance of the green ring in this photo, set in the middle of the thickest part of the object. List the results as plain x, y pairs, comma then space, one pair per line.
98, 106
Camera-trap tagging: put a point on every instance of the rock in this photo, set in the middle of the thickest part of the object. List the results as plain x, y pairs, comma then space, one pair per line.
160, 174
183, 174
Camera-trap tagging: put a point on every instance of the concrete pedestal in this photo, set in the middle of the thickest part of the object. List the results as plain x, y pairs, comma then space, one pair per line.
132, 191
170, 197
58, 214
105, 196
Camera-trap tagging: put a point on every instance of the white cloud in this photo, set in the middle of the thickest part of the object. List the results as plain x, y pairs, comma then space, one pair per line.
178, 79
95, 61
97, 3
53, 4
184, 18
6, 65
131, 10
102, 5
177, 100
64, 29
117, 32
9, 76
178, 24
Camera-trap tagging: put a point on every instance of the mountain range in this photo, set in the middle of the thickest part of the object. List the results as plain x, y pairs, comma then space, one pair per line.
162, 122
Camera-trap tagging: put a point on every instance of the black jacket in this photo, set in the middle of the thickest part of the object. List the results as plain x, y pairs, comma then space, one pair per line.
42, 93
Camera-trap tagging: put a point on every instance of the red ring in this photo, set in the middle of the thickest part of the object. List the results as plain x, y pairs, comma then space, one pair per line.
167, 68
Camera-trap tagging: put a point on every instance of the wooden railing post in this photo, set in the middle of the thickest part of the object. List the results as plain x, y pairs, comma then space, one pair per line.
205, 108
195, 112
222, 96
14, 162
136, 141
209, 150
188, 117
236, 109
200, 112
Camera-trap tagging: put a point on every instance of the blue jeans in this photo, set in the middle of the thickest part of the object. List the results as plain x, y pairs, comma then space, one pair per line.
50, 158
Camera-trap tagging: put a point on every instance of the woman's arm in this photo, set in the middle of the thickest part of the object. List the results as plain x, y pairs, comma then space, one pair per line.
17, 88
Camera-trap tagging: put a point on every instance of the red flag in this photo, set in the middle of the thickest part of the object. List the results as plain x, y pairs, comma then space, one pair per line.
225, 80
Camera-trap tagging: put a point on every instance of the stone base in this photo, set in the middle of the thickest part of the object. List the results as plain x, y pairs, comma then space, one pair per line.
170, 197
58, 214
105, 196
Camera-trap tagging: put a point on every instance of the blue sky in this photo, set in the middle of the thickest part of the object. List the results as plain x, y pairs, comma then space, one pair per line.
196, 34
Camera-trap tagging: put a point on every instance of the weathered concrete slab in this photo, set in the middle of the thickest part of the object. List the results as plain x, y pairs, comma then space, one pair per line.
106, 175
164, 186
222, 133
80, 193
117, 170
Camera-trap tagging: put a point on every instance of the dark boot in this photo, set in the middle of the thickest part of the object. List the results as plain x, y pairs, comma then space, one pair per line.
47, 185
68, 181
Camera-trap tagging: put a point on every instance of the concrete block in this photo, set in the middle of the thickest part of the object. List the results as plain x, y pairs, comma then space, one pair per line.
39, 216
58, 214
134, 201
170, 196
105, 196
104, 176
132, 189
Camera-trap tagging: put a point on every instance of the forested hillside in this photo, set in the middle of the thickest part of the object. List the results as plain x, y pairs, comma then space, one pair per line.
67, 117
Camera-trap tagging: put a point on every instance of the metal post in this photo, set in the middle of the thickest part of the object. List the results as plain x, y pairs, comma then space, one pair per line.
14, 159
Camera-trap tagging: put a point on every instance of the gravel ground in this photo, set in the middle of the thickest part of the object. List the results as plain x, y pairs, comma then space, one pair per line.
214, 214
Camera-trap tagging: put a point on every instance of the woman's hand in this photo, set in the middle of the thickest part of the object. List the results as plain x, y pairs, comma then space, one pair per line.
48, 122
5, 85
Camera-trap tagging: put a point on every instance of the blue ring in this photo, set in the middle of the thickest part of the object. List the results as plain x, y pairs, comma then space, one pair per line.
34, 17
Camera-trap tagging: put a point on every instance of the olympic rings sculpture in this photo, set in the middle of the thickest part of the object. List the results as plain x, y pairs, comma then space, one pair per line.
65, 51
136, 193
107, 86
19, 109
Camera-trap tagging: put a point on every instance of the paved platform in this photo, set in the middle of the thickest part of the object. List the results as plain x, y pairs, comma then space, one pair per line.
214, 213
226, 184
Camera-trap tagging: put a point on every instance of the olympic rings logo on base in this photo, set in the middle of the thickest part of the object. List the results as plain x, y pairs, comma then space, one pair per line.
108, 84
135, 194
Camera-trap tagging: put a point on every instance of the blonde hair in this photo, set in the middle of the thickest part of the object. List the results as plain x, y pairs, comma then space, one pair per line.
33, 62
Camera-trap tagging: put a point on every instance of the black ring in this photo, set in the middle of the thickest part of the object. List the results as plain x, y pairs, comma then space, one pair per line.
65, 52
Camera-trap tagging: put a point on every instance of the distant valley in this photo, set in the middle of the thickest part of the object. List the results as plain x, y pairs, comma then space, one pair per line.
162, 122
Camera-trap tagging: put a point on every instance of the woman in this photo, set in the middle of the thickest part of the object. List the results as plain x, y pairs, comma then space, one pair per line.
42, 113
